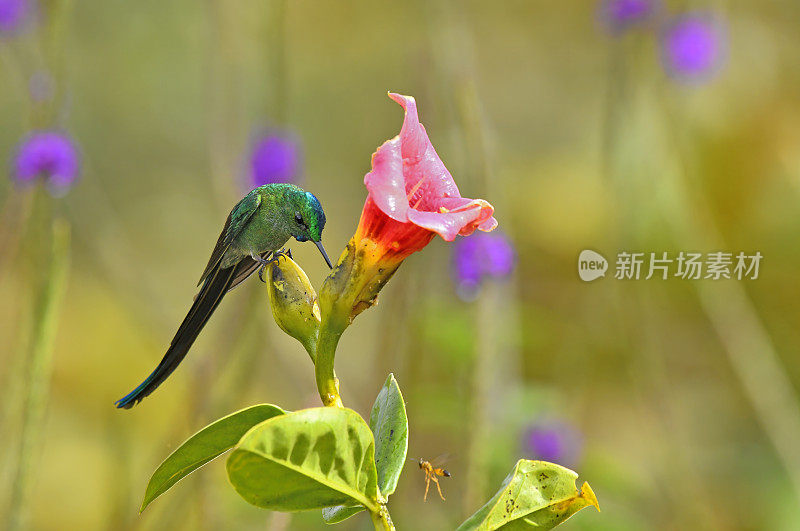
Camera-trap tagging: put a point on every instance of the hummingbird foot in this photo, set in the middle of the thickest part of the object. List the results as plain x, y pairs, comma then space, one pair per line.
283, 252
266, 262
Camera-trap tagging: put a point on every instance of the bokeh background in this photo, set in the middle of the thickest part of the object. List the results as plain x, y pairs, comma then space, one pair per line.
617, 125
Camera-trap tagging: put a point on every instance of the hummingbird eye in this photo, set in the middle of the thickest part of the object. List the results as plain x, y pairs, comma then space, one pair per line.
298, 218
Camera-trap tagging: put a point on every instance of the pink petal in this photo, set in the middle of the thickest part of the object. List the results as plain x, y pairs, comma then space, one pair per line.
385, 183
489, 225
409, 183
456, 216
420, 160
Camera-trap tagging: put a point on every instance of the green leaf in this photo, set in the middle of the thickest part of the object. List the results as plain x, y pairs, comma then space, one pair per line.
551, 516
305, 460
389, 425
208, 443
535, 494
340, 513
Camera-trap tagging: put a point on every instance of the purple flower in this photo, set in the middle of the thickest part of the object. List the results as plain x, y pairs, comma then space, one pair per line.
693, 47
620, 15
274, 158
555, 442
482, 255
50, 155
13, 14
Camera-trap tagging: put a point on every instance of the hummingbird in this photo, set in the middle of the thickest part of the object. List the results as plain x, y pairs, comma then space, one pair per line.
256, 229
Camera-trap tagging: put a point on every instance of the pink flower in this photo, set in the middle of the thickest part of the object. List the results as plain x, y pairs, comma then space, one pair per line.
412, 196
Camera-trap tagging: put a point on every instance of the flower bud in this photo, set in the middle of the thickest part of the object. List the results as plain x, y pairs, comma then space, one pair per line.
293, 301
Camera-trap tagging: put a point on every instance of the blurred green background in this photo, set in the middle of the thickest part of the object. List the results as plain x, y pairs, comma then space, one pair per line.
683, 393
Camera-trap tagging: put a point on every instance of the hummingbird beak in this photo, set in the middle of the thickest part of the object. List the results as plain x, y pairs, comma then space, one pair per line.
324, 254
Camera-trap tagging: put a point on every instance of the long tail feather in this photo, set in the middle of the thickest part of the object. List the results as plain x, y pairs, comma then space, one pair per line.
214, 288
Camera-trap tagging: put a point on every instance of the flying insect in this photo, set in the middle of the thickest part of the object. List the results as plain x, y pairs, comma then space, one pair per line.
432, 473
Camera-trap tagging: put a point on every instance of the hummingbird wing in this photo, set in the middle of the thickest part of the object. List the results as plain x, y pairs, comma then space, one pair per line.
234, 225
247, 267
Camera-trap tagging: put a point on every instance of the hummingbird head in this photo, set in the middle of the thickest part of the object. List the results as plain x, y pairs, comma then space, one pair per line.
309, 220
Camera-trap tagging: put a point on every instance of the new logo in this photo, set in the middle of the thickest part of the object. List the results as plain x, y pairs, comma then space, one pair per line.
591, 265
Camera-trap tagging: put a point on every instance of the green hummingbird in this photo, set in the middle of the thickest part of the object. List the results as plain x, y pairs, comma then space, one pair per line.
257, 227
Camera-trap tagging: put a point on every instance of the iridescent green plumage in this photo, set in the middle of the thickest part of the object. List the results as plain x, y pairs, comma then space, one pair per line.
258, 226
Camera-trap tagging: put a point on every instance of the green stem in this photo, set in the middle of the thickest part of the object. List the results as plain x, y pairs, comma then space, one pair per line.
278, 62
492, 375
382, 520
224, 111
328, 386
483, 369
746, 340
40, 369
351, 288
